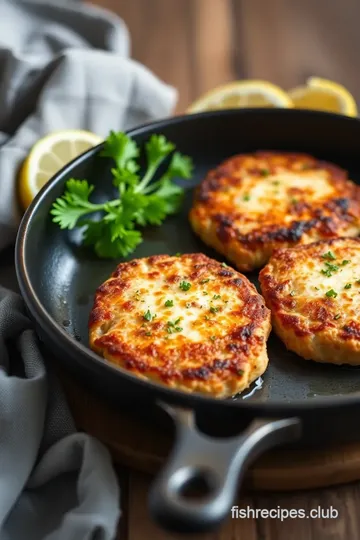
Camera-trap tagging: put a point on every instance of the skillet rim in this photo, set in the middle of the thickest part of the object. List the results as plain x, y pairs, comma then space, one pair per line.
56, 332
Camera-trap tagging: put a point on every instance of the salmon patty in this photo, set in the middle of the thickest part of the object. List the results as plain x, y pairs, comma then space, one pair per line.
313, 292
254, 203
187, 322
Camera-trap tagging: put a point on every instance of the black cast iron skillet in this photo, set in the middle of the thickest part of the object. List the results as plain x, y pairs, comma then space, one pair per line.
299, 402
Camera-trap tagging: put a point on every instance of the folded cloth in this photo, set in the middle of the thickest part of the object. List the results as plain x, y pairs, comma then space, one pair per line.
65, 65
55, 484
62, 65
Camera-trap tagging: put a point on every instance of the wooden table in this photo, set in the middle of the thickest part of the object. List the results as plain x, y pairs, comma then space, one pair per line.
196, 45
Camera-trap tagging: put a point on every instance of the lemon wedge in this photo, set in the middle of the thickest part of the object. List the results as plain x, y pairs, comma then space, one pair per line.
48, 156
242, 94
324, 95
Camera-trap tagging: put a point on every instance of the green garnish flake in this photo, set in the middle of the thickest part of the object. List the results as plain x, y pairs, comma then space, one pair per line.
264, 172
207, 318
329, 255
178, 254
276, 183
344, 262
330, 269
140, 200
337, 316
169, 303
331, 293
224, 265
205, 293
185, 285
292, 293
148, 316
188, 305
293, 200
214, 309
316, 288
212, 338
216, 296
240, 371
203, 281
173, 326
148, 334
246, 197
347, 286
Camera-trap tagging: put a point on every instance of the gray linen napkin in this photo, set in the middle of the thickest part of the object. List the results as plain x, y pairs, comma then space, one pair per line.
62, 65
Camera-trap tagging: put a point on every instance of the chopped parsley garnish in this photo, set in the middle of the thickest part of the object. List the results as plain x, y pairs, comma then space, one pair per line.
224, 265
344, 262
185, 285
172, 326
178, 254
331, 293
148, 316
337, 316
188, 305
293, 200
214, 309
316, 288
169, 303
292, 293
329, 255
212, 338
347, 286
246, 197
264, 172
203, 281
216, 296
148, 333
205, 293
330, 269
207, 318
276, 183
240, 371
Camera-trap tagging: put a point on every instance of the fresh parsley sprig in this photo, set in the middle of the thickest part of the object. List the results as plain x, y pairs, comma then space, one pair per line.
142, 200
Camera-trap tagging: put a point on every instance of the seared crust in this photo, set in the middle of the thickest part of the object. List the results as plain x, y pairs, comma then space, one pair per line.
254, 203
209, 338
313, 292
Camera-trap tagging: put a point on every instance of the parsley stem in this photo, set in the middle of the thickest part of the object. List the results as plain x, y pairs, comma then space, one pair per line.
148, 175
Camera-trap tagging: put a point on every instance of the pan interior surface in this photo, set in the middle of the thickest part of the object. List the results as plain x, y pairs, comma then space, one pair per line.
65, 275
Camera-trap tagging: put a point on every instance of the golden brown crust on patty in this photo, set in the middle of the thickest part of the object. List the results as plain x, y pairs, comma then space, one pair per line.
188, 322
313, 293
254, 203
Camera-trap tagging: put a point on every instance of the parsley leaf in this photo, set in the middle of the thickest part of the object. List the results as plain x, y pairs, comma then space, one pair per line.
185, 285
331, 293
113, 232
329, 255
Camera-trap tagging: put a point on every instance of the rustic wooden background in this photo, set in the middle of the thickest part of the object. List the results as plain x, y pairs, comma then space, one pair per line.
196, 45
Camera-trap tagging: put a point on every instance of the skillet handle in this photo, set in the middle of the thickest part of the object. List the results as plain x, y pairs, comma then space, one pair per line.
218, 465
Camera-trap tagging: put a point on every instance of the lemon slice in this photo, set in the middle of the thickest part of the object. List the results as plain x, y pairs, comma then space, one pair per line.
242, 94
48, 156
323, 95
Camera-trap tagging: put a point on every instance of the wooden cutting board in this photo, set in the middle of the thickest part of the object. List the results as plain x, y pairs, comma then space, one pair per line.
134, 443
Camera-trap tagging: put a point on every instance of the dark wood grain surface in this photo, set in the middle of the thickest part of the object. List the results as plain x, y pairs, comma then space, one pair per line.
196, 45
